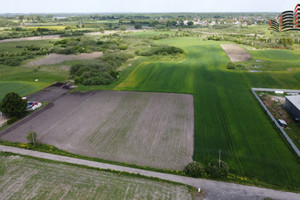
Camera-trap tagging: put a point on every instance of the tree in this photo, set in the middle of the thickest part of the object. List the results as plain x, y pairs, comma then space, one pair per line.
194, 169
21, 18
13, 105
31, 137
38, 18
102, 28
190, 23
123, 27
218, 169
138, 26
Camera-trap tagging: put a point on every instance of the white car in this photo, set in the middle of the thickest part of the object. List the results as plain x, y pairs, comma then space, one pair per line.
32, 105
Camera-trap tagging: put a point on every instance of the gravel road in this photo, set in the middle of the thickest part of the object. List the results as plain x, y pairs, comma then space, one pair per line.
215, 189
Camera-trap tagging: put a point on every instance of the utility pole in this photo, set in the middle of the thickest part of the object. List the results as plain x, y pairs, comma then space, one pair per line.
220, 158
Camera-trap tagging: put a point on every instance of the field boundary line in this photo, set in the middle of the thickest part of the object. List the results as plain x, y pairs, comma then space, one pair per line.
214, 189
272, 117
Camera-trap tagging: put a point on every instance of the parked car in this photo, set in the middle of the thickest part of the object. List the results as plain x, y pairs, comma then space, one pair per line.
32, 105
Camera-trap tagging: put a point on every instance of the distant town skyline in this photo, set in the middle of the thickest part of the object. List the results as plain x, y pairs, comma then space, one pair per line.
145, 6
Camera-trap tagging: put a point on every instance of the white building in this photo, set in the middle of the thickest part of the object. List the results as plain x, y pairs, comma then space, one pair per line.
292, 105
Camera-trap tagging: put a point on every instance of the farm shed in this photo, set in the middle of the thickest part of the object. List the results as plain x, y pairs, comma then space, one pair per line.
292, 104
282, 123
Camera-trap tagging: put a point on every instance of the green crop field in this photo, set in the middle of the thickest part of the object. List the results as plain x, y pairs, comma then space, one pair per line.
26, 178
227, 116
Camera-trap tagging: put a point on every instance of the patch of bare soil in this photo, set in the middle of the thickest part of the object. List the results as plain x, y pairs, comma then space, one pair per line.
49, 94
110, 32
53, 59
47, 37
236, 53
147, 129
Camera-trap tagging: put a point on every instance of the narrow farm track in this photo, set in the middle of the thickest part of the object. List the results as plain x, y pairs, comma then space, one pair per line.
215, 189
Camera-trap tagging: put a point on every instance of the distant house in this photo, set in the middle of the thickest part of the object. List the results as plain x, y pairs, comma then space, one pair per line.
292, 105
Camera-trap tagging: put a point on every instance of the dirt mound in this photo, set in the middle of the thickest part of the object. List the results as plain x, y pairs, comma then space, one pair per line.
236, 53
53, 59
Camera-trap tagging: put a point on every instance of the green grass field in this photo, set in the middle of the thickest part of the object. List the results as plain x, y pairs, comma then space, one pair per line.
227, 116
12, 46
22, 88
27, 178
22, 79
274, 60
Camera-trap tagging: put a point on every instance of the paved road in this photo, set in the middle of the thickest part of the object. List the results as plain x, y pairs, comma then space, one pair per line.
273, 90
215, 189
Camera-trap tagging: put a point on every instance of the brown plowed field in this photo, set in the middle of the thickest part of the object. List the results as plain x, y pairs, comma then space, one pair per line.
147, 129
236, 53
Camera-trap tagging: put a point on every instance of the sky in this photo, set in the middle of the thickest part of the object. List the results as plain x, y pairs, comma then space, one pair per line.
141, 6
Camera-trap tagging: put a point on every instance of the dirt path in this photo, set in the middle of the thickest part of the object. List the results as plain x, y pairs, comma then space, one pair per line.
53, 58
215, 189
47, 37
51, 37
236, 53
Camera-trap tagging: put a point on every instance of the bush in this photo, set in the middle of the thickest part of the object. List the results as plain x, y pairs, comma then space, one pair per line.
138, 26
12, 120
31, 137
215, 171
230, 65
194, 169
159, 50
13, 105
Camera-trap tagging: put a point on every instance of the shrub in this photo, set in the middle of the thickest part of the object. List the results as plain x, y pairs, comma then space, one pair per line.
13, 105
12, 120
215, 171
194, 169
159, 50
31, 137
138, 26
230, 65
99, 72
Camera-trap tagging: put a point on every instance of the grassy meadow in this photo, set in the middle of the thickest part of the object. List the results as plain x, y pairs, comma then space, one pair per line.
227, 116
21, 79
274, 59
22, 88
